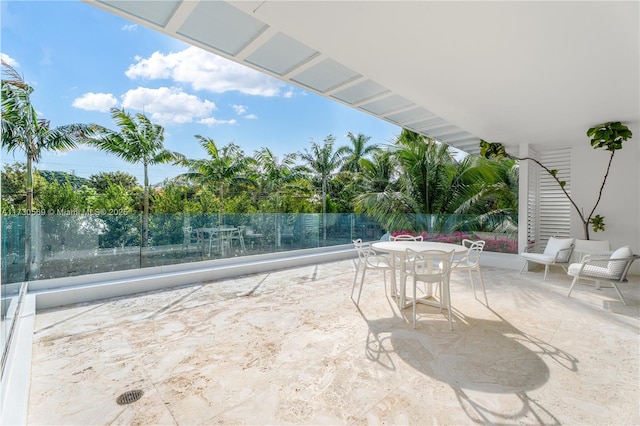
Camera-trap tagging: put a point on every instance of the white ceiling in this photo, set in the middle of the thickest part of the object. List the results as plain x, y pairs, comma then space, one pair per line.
538, 72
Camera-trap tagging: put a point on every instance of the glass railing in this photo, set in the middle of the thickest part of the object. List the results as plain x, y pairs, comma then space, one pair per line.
47, 246
37, 247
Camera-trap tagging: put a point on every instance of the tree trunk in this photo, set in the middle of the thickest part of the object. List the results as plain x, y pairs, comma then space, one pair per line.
586, 230
324, 209
29, 184
145, 212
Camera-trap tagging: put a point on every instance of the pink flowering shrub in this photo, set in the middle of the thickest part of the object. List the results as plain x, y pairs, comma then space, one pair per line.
498, 244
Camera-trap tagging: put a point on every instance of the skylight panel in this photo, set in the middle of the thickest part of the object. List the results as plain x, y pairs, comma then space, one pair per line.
221, 26
281, 54
155, 11
325, 75
360, 92
409, 115
386, 105
454, 136
426, 124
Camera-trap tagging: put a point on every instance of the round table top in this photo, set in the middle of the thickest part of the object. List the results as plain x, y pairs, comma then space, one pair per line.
402, 246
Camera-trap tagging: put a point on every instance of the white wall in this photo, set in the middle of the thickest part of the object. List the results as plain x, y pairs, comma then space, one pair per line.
620, 203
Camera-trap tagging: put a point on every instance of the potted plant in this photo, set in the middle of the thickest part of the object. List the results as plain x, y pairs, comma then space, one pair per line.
608, 136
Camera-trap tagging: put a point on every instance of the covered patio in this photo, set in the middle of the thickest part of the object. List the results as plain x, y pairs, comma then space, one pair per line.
291, 347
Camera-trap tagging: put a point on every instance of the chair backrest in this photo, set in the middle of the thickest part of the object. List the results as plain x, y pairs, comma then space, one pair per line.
429, 265
474, 250
606, 269
561, 248
362, 249
405, 237
619, 262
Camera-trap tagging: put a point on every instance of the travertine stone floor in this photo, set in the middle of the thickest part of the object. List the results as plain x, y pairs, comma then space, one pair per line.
290, 347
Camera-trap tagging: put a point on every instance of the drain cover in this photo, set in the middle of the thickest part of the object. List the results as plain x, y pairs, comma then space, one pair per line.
129, 397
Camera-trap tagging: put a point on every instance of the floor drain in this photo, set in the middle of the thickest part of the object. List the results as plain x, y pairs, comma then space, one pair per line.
129, 397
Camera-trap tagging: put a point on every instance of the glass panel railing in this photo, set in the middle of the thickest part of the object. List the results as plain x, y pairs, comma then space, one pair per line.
51, 246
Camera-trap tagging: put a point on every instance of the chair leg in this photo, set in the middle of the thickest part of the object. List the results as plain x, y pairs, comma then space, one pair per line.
575, 280
414, 302
364, 270
473, 285
448, 291
619, 293
353, 286
546, 271
526, 262
483, 289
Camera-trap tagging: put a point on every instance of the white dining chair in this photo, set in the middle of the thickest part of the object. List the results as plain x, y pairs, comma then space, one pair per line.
432, 267
236, 237
368, 258
471, 262
190, 236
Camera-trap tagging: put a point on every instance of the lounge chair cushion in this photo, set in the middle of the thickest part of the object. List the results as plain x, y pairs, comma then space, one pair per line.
622, 253
556, 244
539, 257
592, 271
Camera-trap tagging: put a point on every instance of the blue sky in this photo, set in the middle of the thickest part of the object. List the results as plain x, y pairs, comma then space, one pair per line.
81, 61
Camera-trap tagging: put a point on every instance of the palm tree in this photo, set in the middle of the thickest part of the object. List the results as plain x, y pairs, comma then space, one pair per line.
22, 130
357, 151
322, 162
274, 174
378, 171
224, 167
429, 183
138, 141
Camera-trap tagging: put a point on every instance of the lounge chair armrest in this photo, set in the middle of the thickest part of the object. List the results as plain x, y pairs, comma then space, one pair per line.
594, 258
564, 253
534, 247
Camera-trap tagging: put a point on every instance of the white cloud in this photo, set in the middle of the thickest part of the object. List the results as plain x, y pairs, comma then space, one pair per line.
9, 60
212, 122
130, 27
288, 94
239, 109
251, 117
167, 105
95, 102
153, 68
204, 71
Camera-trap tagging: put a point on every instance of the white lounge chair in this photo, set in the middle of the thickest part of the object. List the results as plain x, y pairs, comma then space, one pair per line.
556, 252
609, 269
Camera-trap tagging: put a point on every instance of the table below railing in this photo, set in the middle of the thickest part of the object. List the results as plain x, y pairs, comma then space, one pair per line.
221, 235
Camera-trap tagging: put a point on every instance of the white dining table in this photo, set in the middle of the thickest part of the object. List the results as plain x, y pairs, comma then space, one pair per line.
398, 251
